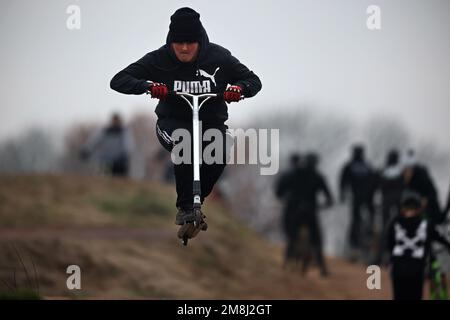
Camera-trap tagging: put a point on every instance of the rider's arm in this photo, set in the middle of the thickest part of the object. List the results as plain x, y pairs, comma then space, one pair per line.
133, 79
241, 76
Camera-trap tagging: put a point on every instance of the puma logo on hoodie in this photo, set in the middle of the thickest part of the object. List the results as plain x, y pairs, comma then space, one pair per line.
205, 74
197, 86
192, 86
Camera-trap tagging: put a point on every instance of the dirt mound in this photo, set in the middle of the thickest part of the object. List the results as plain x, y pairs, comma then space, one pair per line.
122, 236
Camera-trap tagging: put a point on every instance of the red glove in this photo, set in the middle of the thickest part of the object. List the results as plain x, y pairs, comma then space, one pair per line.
233, 93
158, 90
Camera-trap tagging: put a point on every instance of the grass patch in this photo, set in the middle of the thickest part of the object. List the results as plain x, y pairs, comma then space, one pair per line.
19, 294
140, 203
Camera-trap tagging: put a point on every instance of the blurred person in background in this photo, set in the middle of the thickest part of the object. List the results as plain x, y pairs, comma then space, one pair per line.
390, 184
301, 187
416, 177
284, 190
111, 147
359, 179
409, 242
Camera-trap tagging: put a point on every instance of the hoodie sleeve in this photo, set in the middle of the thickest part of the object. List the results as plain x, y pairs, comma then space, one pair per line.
241, 76
133, 79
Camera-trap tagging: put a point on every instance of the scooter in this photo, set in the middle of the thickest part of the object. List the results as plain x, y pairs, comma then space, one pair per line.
190, 229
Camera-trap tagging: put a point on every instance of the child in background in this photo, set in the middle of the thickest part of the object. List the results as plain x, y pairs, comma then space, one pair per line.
409, 242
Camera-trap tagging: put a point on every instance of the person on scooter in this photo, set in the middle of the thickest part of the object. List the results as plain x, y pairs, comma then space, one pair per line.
188, 62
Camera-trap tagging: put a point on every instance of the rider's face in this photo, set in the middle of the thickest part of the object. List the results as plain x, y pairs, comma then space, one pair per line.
185, 51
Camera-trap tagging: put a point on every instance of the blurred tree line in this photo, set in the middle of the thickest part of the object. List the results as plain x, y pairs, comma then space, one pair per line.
249, 194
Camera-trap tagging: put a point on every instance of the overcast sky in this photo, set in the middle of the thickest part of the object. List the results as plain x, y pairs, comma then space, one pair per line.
318, 53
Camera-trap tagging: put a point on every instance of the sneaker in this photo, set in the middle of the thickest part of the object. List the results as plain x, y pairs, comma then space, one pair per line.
184, 215
189, 230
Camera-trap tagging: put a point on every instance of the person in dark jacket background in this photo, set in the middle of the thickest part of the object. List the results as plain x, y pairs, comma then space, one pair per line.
188, 62
358, 177
300, 187
391, 185
112, 146
409, 239
285, 188
417, 178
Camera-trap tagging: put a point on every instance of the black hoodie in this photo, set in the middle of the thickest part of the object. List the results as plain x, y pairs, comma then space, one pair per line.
409, 242
212, 71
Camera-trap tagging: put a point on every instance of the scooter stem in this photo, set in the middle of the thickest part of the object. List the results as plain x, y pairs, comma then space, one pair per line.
196, 139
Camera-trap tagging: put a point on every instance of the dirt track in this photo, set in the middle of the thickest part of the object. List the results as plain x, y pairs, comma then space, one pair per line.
346, 281
85, 233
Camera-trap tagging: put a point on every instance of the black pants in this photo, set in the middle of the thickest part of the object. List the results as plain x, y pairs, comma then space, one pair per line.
355, 228
407, 285
119, 167
293, 221
184, 174
391, 209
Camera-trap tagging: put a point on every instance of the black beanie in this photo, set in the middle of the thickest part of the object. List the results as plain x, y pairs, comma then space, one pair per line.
410, 199
185, 26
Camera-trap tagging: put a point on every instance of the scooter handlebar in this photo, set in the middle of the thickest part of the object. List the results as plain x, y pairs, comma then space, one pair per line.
203, 95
